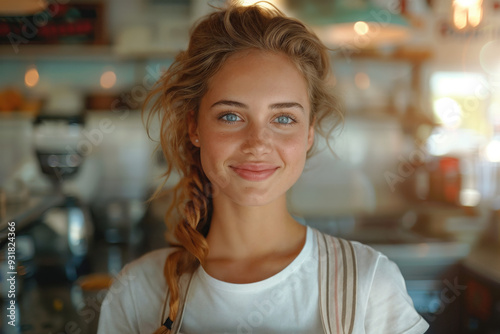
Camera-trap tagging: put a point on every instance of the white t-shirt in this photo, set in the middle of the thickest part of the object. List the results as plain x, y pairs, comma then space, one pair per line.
287, 302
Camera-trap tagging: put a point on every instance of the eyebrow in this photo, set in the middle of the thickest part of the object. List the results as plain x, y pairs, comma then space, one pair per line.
281, 105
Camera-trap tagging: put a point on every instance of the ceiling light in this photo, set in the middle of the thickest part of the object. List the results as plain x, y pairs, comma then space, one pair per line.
467, 13
355, 23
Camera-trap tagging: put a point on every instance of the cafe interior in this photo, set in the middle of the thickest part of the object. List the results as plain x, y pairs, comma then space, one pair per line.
412, 171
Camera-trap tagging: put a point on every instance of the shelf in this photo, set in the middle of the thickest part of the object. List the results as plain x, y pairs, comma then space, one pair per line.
107, 52
79, 52
31, 52
405, 54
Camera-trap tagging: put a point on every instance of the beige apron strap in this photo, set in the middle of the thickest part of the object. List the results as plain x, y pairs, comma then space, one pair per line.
323, 274
185, 284
349, 285
164, 312
337, 284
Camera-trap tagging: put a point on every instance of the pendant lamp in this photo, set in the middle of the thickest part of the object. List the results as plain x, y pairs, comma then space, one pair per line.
354, 23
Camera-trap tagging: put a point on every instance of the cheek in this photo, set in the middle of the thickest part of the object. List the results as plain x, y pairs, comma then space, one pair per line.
215, 152
294, 150
211, 163
216, 143
296, 141
212, 152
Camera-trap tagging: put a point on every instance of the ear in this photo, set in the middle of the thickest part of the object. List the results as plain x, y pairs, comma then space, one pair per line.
310, 135
193, 128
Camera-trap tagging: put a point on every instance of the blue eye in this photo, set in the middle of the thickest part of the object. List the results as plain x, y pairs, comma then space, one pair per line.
285, 120
229, 118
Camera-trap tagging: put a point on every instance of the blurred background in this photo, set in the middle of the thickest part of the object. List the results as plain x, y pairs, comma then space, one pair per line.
415, 172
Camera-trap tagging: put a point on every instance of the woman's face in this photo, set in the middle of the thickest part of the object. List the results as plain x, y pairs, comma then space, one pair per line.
253, 128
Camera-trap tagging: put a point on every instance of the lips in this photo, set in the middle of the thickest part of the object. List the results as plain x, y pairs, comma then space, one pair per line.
255, 172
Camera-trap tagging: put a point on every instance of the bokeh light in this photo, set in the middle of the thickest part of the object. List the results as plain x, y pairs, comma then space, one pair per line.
448, 111
31, 77
361, 28
108, 79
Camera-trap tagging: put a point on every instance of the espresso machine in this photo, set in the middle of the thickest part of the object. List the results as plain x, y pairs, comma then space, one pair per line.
64, 234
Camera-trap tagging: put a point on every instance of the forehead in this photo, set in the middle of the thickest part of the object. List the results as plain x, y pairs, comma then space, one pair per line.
260, 58
258, 72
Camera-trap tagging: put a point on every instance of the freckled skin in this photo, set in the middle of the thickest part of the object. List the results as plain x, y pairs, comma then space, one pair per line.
258, 82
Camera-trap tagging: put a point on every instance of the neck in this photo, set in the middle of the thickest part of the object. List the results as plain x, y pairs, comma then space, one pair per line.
243, 232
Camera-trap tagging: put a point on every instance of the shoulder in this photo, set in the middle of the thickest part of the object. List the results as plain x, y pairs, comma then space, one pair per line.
365, 256
371, 260
368, 262
149, 263
145, 275
134, 302
382, 302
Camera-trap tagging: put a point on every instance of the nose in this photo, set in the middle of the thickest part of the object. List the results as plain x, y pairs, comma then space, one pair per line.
258, 140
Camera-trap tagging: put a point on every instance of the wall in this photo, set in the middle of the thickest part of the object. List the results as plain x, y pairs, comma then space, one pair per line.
367, 147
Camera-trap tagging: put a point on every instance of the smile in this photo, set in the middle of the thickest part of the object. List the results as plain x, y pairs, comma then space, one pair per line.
254, 174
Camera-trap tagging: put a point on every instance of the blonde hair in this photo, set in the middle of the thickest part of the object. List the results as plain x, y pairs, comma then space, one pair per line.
179, 91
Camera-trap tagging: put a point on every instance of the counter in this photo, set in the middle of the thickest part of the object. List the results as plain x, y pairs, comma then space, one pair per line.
57, 306
482, 294
60, 306
26, 212
485, 261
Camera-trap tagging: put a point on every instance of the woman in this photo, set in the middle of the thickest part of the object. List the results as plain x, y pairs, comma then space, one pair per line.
238, 112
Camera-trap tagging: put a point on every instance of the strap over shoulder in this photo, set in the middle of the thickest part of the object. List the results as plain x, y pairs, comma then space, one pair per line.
337, 283
168, 325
